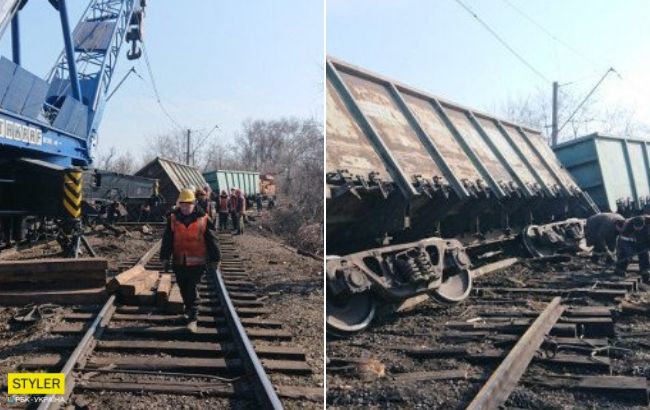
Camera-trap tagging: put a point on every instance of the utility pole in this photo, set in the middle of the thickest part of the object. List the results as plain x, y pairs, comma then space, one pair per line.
187, 153
554, 130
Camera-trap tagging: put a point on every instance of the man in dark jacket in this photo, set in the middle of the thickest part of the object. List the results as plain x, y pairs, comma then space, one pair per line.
634, 239
258, 202
223, 207
601, 232
203, 202
190, 243
238, 204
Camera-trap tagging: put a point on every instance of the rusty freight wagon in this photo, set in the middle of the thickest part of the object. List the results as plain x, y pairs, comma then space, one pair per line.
420, 189
173, 177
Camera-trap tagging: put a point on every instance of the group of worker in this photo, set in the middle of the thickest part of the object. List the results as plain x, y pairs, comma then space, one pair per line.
619, 239
231, 206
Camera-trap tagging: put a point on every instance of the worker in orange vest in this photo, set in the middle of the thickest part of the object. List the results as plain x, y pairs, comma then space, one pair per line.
238, 204
190, 243
223, 207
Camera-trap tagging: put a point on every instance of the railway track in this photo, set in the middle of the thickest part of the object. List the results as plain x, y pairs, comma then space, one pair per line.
124, 349
538, 334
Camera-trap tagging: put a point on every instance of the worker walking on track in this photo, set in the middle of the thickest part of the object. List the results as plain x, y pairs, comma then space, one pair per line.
239, 208
190, 243
601, 232
232, 207
634, 239
223, 207
203, 201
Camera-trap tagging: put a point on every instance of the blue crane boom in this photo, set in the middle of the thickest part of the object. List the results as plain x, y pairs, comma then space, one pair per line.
56, 120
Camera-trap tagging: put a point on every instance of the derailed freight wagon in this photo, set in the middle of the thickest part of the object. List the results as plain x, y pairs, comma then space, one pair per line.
135, 193
173, 177
615, 171
420, 189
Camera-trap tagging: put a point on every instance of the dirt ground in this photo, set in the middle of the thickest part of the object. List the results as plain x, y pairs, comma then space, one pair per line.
349, 387
294, 286
132, 243
294, 292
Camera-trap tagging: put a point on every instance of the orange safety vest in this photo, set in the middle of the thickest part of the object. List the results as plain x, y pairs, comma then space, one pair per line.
223, 204
189, 242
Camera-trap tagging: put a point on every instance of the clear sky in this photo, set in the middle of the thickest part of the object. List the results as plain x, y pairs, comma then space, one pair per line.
437, 46
215, 62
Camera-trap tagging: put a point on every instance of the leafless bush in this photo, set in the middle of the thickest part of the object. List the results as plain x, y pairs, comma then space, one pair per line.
115, 161
292, 150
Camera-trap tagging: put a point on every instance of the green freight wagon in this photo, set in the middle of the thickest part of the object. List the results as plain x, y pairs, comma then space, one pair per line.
614, 170
247, 181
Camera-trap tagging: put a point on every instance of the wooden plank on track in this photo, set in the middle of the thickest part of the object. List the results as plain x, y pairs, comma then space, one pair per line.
575, 292
514, 327
123, 278
59, 296
301, 393
505, 378
630, 389
189, 364
38, 270
494, 267
455, 374
426, 352
286, 366
164, 289
242, 312
166, 332
201, 389
198, 349
140, 284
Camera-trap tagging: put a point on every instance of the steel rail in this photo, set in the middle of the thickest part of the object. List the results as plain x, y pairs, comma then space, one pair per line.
504, 379
85, 346
53, 402
266, 394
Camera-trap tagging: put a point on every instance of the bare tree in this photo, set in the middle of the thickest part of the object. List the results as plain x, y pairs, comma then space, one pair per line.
289, 148
170, 145
534, 110
221, 156
115, 161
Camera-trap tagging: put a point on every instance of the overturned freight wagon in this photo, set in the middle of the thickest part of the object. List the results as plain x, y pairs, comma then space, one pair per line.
173, 177
615, 171
419, 189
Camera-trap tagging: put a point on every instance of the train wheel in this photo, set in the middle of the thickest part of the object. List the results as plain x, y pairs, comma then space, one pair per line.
350, 313
454, 288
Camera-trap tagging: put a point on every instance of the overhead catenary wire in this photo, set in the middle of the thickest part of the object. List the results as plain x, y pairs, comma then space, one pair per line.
611, 70
155, 88
503, 42
549, 34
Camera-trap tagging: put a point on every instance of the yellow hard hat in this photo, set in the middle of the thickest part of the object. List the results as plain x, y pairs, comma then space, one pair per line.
186, 195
